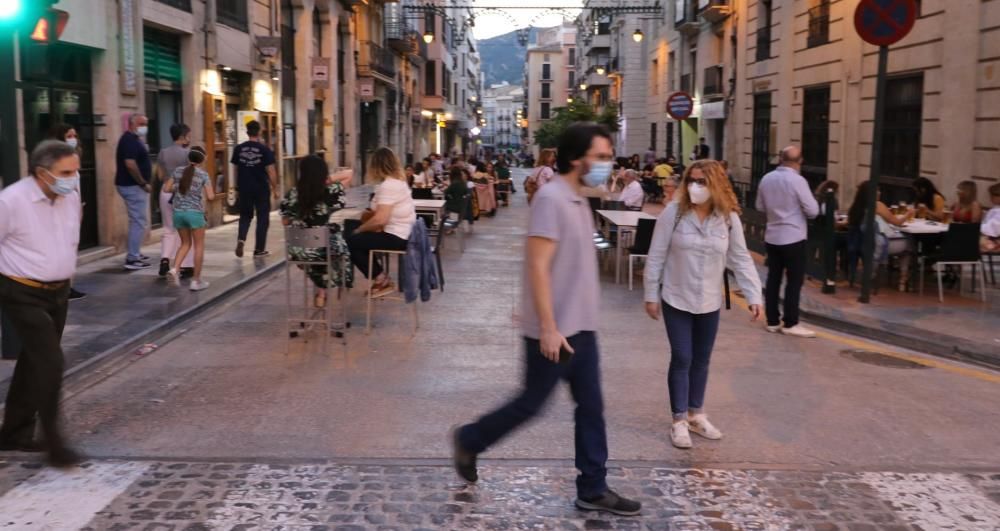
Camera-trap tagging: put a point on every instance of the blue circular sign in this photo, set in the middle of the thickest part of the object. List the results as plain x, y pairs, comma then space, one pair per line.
680, 105
884, 22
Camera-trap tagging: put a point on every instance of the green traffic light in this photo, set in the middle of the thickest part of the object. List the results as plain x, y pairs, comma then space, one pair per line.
9, 8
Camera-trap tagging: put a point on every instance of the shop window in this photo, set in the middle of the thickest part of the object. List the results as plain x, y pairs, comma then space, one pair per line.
903, 119
815, 133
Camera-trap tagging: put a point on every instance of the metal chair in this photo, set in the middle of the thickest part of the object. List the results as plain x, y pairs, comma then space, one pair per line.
314, 237
640, 245
456, 224
436, 249
987, 259
960, 247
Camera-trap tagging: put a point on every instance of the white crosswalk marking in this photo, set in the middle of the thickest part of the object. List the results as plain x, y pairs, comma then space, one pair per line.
63, 500
936, 501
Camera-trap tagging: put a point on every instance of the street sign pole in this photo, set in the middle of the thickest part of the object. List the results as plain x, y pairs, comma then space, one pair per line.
680, 142
873, 180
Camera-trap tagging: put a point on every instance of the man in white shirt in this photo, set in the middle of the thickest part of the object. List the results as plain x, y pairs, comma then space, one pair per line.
39, 233
785, 197
632, 195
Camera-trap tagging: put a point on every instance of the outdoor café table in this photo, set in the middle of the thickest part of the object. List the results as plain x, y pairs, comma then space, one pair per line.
434, 207
626, 221
922, 230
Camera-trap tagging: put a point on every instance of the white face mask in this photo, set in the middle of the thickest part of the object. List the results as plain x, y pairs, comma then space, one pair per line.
142, 130
72, 142
699, 193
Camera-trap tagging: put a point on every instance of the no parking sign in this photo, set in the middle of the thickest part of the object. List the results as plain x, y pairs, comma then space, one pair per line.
884, 22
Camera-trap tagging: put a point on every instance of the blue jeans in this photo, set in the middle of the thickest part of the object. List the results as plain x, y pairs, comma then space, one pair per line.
691, 337
540, 378
137, 204
255, 201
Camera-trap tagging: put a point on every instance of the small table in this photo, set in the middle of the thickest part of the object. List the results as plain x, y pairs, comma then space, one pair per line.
626, 221
434, 207
922, 226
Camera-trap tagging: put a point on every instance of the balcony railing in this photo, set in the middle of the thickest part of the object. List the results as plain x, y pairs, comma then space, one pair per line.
819, 25
713, 87
375, 59
714, 10
183, 5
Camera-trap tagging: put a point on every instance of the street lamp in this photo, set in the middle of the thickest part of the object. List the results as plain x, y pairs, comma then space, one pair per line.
637, 36
428, 36
583, 86
600, 70
569, 100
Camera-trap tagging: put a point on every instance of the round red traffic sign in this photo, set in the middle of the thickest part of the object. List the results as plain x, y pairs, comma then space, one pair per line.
680, 105
884, 22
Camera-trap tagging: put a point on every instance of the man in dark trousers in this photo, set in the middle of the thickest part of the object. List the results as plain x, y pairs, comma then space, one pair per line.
559, 317
256, 182
704, 152
39, 233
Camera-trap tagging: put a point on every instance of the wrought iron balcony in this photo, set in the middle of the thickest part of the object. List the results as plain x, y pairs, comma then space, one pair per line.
686, 20
713, 88
375, 59
715, 10
819, 25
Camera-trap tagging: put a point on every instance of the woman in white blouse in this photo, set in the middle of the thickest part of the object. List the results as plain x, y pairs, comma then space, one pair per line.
696, 238
391, 222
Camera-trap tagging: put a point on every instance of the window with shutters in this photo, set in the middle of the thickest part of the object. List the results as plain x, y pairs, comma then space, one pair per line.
161, 59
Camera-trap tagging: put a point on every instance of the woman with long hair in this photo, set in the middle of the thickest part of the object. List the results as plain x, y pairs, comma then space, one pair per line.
697, 237
967, 209
888, 240
315, 196
67, 133
542, 173
930, 202
190, 186
390, 225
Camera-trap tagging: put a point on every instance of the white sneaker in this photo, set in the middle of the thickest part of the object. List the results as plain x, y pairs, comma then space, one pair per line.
198, 285
798, 331
174, 277
679, 435
699, 424
774, 329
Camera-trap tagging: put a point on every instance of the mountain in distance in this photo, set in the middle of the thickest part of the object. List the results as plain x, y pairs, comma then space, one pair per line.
503, 58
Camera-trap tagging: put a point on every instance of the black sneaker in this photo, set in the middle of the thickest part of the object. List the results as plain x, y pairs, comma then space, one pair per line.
164, 267
261, 253
239, 249
465, 461
187, 272
75, 295
133, 265
610, 502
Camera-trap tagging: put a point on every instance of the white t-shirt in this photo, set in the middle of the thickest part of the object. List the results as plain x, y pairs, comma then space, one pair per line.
396, 193
633, 195
419, 178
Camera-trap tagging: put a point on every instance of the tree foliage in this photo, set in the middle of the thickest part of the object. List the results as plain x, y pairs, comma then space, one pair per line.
548, 134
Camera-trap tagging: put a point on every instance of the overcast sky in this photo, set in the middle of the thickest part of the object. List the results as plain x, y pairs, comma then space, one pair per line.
490, 23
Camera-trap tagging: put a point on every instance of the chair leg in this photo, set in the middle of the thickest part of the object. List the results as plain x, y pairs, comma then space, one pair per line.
920, 274
982, 278
630, 262
368, 310
437, 257
938, 268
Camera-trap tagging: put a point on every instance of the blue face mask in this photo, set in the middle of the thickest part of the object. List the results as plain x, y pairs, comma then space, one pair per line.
598, 173
64, 185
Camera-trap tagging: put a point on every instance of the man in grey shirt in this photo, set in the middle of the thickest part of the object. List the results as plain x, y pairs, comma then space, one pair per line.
785, 197
170, 158
559, 316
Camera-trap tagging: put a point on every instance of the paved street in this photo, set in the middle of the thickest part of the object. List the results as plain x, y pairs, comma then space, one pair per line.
220, 428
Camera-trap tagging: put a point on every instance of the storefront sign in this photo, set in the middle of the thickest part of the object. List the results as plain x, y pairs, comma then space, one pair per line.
715, 110
320, 72
127, 24
366, 88
268, 46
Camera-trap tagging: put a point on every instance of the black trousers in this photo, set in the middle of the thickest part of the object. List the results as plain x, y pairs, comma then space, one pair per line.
38, 316
361, 242
541, 376
788, 261
255, 201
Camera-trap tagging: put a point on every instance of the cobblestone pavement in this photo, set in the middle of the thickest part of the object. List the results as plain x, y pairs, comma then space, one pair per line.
163, 496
